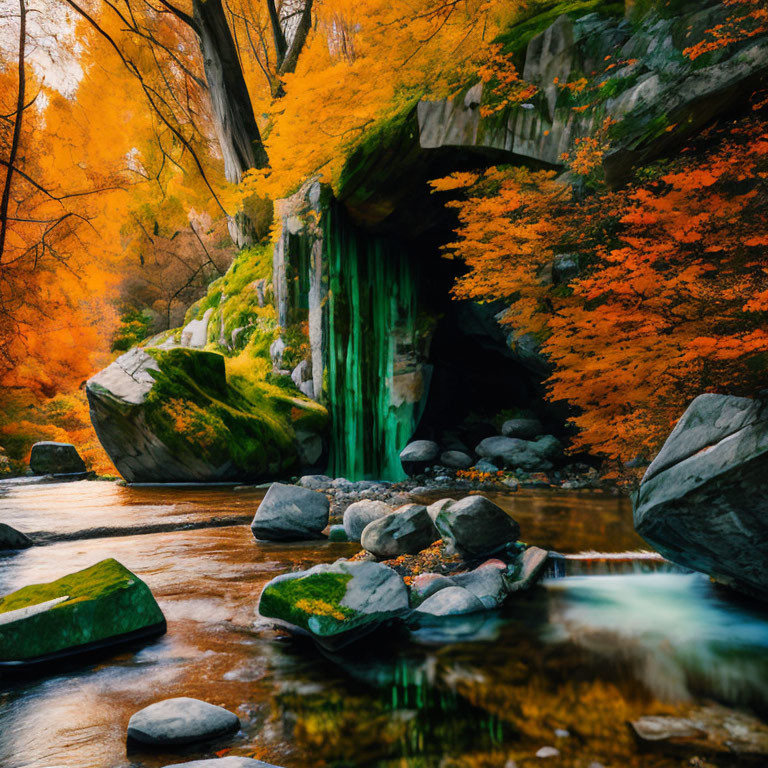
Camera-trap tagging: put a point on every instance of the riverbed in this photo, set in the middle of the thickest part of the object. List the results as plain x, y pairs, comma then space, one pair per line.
564, 667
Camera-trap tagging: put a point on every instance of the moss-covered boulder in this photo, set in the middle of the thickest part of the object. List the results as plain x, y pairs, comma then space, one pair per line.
103, 605
337, 603
188, 415
49, 458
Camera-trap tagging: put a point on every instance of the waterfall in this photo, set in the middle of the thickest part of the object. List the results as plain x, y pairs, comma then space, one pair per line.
372, 319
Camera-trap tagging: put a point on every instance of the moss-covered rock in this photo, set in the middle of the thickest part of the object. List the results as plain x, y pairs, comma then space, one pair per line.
99, 606
335, 604
189, 415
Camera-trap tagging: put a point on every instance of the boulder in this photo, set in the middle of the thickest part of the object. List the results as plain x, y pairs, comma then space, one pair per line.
702, 501
181, 721
433, 510
290, 513
512, 452
475, 526
418, 455
315, 482
100, 606
486, 467
528, 569
173, 415
526, 429
10, 538
337, 533
456, 460
487, 582
336, 603
49, 458
451, 601
427, 584
408, 530
359, 514
565, 267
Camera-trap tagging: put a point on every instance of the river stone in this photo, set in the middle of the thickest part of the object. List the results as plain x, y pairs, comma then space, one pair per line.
10, 538
451, 601
475, 526
230, 761
290, 513
100, 606
49, 458
181, 721
702, 501
529, 568
408, 530
315, 482
456, 460
526, 429
337, 533
418, 455
427, 584
358, 515
487, 583
486, 466
335, 603
434, 508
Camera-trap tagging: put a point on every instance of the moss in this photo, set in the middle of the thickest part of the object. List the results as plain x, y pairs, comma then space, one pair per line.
317, 596
104, 601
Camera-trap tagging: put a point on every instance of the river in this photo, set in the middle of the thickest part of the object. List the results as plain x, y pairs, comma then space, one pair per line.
565, 666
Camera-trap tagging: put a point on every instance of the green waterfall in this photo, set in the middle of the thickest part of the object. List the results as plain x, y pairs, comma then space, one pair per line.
372, 331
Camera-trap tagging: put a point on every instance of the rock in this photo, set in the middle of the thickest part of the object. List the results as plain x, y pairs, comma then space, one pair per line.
10, 538
172, 415
427, 584
100, 606
359, 514
486, 467
181, 721
434, 509
515, 453
702, 501
476, 526
195, 333
302, 378
487, 583
418, 455
230, 761
565, 267
456, 460
526, 429
451, 601
545, 752
335, 603
290, 513
337, 534
49, 458
529, 569
407, 530
315, 482
547, 446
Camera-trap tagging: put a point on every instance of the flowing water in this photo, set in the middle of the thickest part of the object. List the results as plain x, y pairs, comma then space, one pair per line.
581, 654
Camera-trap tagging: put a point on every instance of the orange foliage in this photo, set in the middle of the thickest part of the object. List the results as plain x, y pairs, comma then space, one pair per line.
748, 20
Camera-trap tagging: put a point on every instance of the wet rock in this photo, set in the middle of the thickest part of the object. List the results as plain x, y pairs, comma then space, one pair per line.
336, 603
702, 501
512, 452
475, 526
456, 460
337, 533
48, 458
418, 455
10, 538
290, 513
486, 466
100, 606
315, 482
530, 568
408, 530
547, 446
526, 429
427, 584
360, 514
181, 721
451, 601
487, 583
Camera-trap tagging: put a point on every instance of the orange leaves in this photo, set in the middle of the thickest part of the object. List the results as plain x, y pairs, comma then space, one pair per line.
503, 84
748, 20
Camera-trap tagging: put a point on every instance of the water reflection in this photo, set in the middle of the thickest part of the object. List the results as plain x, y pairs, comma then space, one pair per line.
565, 666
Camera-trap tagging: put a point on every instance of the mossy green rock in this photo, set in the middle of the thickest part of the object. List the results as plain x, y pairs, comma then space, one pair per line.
177, 415
101, 605
335, 603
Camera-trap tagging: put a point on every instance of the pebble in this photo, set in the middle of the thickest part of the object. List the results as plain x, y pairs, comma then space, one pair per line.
545, 752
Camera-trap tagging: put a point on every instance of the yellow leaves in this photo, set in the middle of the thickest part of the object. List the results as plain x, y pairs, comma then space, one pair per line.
318, 607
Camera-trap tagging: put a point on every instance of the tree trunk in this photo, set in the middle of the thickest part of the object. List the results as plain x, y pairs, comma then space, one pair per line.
235, 123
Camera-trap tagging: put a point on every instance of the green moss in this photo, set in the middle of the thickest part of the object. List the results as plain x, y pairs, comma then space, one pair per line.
104, 601
314, 597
